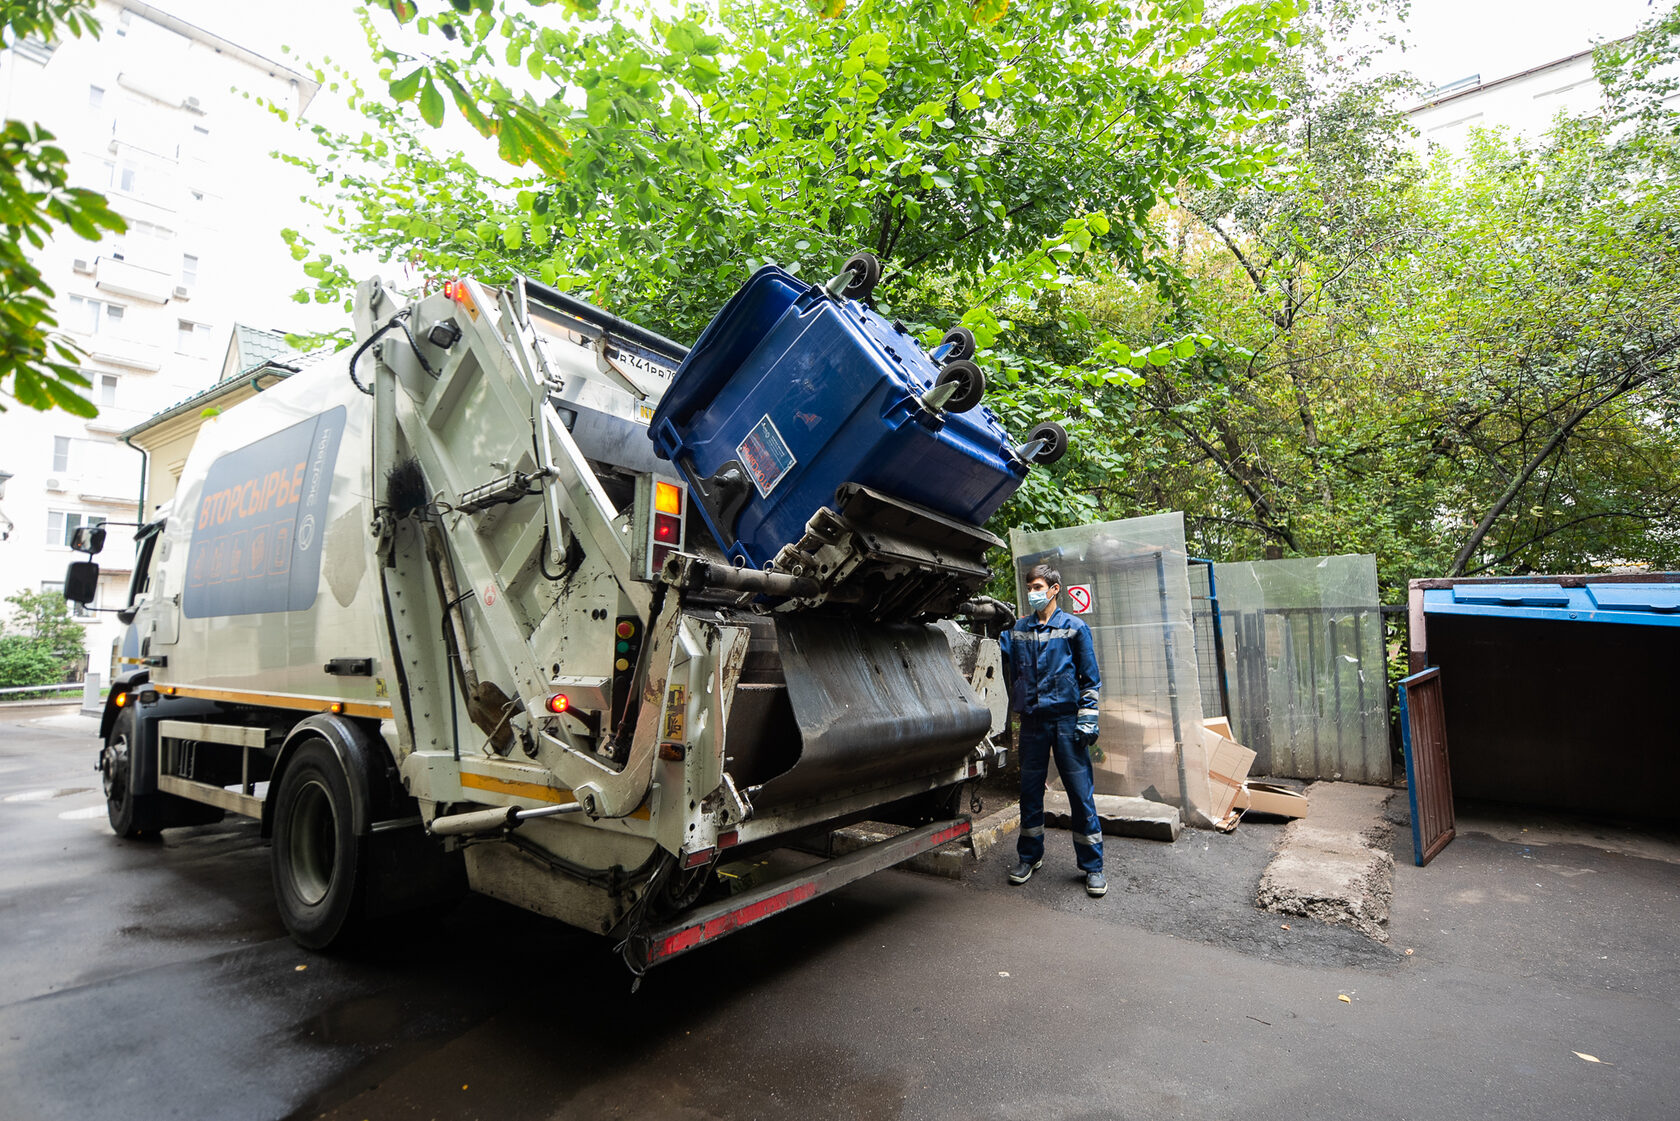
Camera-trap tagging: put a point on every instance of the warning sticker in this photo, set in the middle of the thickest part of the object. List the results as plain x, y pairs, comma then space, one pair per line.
675, 700
765, 455
1079, 598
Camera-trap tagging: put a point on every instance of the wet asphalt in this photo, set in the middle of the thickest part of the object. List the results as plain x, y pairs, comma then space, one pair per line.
153, 980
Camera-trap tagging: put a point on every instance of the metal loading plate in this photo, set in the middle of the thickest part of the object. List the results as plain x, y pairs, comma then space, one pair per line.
874, 702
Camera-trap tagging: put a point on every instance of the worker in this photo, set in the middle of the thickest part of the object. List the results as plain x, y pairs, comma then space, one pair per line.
1050, 665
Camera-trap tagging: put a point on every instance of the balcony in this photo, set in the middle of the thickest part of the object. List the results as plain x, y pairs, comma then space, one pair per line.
126, 278
124, 352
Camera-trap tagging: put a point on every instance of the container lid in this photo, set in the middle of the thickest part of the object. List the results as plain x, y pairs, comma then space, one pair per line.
1650, 604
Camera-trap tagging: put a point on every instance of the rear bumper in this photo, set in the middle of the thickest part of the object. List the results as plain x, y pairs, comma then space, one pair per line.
708, 924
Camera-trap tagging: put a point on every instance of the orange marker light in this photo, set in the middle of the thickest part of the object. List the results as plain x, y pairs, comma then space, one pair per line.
667, 498
120, 700
336, 707
559, 703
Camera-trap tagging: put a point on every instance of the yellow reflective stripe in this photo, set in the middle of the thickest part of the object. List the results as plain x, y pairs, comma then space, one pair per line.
541, 792
375, 709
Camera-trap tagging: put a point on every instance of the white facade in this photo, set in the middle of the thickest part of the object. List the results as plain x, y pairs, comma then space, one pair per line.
153, 113
1526, 102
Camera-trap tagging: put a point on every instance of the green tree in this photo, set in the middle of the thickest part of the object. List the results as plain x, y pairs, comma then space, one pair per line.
28, 661
995, 156
45, 617
38, 367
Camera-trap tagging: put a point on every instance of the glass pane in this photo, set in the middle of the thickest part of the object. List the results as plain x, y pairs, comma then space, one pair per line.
1132, 575
1305, 666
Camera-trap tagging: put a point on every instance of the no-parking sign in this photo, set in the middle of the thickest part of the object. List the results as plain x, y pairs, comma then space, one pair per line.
1079, 598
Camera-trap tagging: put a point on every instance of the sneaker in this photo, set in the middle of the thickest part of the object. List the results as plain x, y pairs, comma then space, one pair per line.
1022, 872
1096, 885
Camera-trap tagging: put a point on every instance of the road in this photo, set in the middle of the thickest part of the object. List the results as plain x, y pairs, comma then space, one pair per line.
143, 981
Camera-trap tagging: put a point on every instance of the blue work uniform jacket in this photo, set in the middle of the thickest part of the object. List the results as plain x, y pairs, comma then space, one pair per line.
1051, 668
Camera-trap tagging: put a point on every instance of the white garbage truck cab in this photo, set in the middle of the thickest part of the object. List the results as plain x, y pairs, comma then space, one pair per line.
437, 615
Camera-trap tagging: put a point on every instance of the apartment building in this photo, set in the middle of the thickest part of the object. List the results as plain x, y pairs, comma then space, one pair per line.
1526, 102
163, 118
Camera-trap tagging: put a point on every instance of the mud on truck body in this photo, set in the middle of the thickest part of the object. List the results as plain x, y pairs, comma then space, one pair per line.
456, 620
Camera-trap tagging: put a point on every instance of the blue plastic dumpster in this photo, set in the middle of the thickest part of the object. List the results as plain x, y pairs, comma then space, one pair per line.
791, 393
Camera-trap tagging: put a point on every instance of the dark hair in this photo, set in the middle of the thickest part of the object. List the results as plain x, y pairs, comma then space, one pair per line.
1046, 573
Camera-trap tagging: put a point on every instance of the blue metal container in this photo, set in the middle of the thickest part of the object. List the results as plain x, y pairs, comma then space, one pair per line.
805, 392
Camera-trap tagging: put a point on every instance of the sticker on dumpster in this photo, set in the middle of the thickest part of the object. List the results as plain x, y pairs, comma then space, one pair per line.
1079, 598
765, 455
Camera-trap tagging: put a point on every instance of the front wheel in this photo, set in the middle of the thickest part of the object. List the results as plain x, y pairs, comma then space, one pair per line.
318, 861
131, 815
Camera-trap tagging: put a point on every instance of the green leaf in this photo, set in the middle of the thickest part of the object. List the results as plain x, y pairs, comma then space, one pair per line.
404, 88
431, 104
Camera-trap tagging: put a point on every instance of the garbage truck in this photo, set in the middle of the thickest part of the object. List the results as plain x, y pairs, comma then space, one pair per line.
526, 599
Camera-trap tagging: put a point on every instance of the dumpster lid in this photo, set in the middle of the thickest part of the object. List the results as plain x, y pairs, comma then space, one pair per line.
1650, 604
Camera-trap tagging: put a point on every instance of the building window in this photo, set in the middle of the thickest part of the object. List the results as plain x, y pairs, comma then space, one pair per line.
77, 611
61, 455
192, 338
62, 523
121, 177
125, 20
107, 390
189, 270
95, 317
96, 97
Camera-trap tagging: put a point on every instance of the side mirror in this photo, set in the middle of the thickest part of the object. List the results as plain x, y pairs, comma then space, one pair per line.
81, 582
89, 539
125, 615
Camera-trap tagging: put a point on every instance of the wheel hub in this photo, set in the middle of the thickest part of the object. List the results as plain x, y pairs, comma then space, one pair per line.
113, 766
312, 843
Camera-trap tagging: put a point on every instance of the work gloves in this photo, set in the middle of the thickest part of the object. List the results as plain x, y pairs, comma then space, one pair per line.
1087, 730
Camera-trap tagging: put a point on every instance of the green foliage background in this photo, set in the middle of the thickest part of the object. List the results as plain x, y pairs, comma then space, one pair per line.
1197, 234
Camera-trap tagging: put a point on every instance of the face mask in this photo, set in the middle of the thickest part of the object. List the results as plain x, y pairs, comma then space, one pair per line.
1038, 601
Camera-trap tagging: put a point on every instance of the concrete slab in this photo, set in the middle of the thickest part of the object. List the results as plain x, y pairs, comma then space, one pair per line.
994, 827
1120, 816
1335, 865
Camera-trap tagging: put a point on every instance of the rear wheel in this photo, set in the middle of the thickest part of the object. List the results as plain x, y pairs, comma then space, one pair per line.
866, 273
131, 815
970, 382
317, 859
1055, 444
961, 341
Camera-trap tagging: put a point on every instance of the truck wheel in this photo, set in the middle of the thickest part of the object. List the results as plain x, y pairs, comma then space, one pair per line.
132, 815
317, 859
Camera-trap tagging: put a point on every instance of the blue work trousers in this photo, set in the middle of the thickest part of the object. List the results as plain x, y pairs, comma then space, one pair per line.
1042, 736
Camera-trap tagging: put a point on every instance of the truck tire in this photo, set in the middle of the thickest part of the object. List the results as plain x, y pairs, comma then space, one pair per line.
319, 863
132, 815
